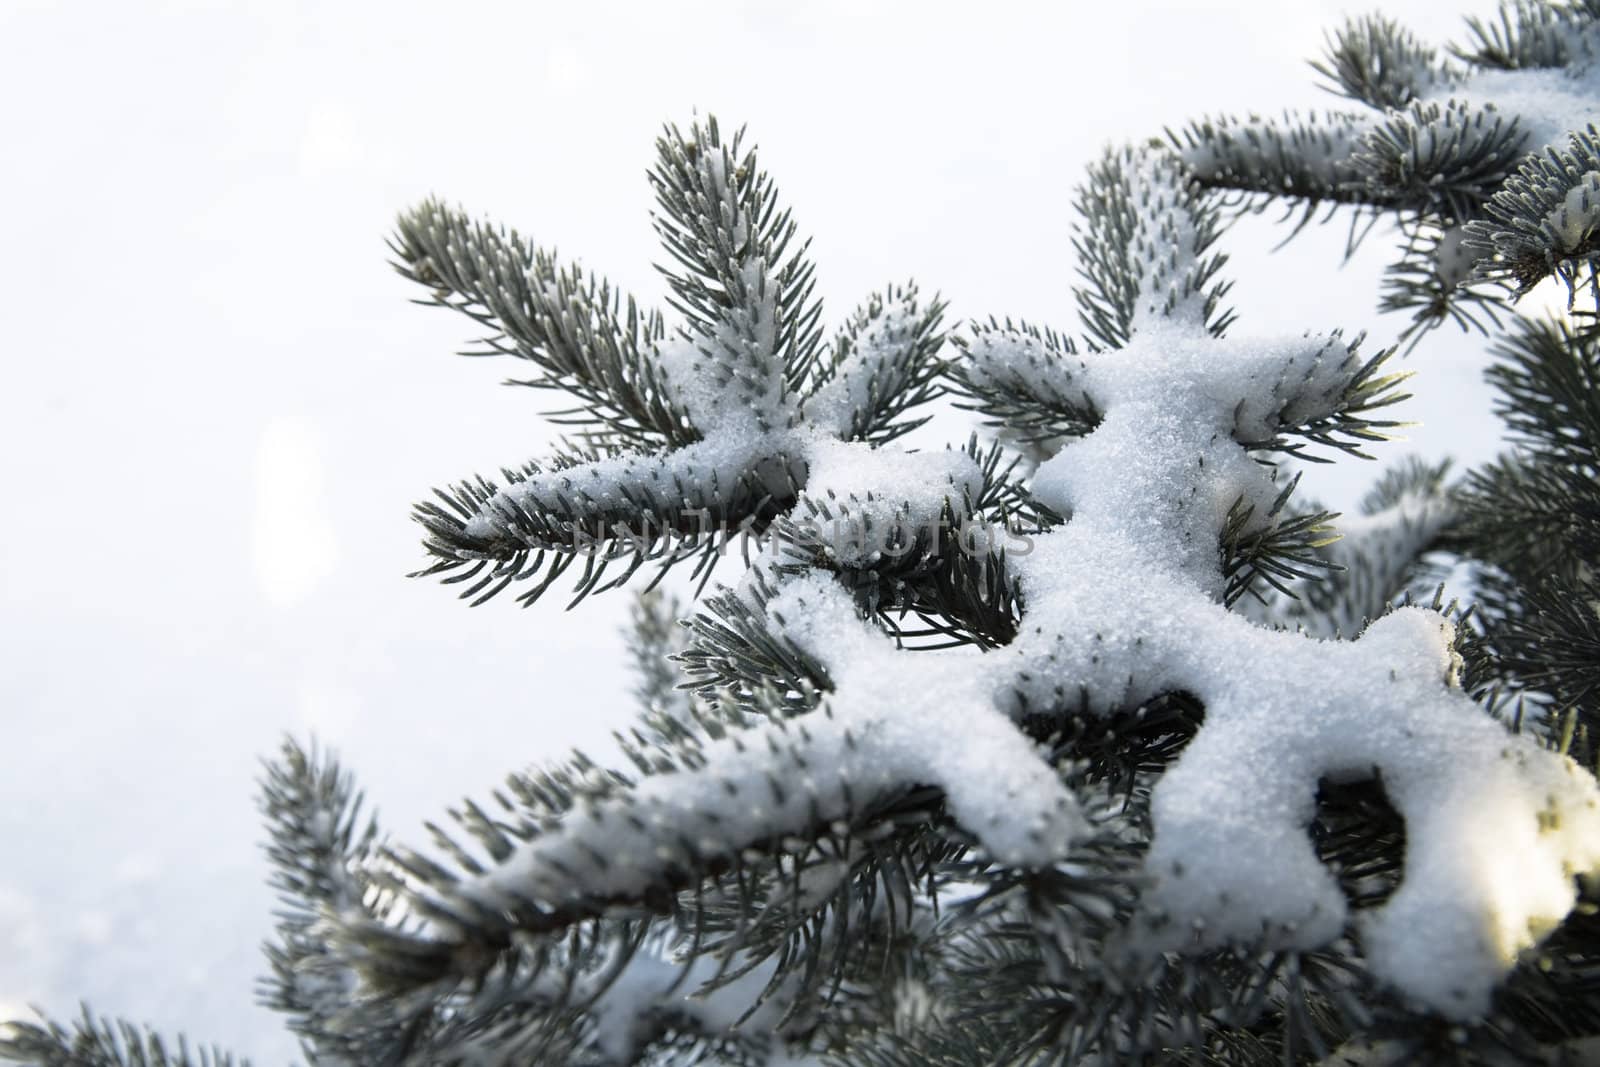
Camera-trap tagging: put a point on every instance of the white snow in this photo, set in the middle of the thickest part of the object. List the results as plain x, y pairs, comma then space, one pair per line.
1163, 240
873, 493
1547, 104
1137, 569
697, 476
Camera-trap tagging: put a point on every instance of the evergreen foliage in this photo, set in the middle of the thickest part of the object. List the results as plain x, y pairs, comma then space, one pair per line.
1533, 517
1544, 221
1473, 151
1091, 746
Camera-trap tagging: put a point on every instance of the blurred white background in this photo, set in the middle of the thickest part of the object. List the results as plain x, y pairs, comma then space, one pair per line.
218, 406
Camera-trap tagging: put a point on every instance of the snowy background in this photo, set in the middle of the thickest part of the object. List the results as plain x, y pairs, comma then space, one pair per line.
219, 407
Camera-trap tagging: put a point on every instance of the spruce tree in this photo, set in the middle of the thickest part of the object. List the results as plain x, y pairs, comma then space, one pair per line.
1092, 744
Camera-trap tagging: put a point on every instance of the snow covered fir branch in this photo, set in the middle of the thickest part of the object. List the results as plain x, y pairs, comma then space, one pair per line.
1096, 743
1484, 152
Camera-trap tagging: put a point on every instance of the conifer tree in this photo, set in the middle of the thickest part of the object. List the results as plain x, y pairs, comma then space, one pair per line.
1094, 744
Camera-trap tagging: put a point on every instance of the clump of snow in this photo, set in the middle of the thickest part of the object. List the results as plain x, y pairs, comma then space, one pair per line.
1122, 607
872, 493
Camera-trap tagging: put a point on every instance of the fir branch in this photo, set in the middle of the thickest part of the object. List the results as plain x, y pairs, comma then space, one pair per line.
1303, 157
1021, 377
1548, 375
1279, 550
1431, 276
655, 639
1360, 837
1551, 644
319, 845
1404, 482
1143, 248
670, 1035
1102, 1013
1291, 1007
1532, 518
1340, 420
1003, 497
925, 570
624, 509
1535, 512
967, 598
734, 655
1125, 751
745, 291
1545, 220
1445, 146
1529, 35
1554, 996
929, 584
837, 914
1376, 61
1019, 930
95, 1042
780, 911
1444, 159
1375, 558
479, 911
883, 363
574, 328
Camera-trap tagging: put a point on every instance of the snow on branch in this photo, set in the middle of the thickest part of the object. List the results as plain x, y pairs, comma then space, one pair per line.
1529, 35
1440, 150
881, 366
1306, 157
629, 509
1143, 250
1021, 379
1545, 221
1374, 560
744, 288
1118, 604
701, 436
